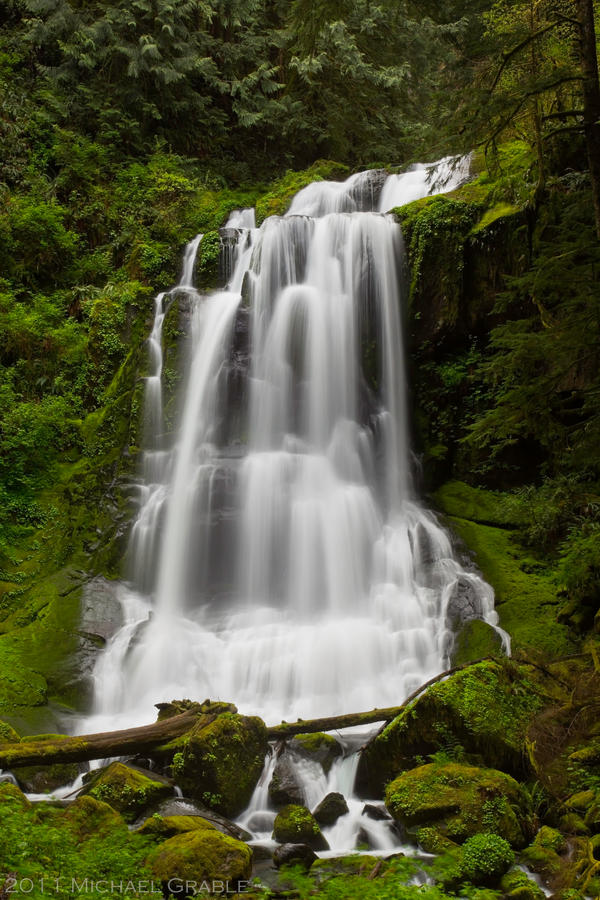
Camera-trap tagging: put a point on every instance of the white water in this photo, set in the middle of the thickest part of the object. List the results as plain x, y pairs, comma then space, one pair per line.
280, 559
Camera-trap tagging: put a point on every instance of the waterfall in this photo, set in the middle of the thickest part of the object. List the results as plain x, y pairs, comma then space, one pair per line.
281, 559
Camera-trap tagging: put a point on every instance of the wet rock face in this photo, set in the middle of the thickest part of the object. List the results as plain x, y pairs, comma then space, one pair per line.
464, 604
319, 748
330, 809
294, 854
285, 787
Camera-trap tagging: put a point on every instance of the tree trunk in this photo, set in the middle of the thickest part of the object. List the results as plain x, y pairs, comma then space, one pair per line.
100, 746
151, 739
591, 97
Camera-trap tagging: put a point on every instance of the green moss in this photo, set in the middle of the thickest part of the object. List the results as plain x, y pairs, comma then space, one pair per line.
126, 790
203, 854
296, 825
276, 202
87, 816
482, 712
459, 801
321, 748
207, 266
475, 640
220, 763
517, 885
8, 735
168, 826
460, 500
498, 211
485, 858
526, 594
42, 779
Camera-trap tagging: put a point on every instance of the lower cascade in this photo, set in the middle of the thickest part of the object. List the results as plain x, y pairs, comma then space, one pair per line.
281, 559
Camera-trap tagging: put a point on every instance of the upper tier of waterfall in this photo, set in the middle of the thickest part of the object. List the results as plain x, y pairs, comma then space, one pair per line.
280, 559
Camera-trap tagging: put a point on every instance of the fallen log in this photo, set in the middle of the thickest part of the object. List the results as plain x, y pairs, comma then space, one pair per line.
151, 738
144, 739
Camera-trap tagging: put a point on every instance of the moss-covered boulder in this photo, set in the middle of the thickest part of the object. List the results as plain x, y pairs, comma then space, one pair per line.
475, 640
8, 735
10, 793
331, 808
127, 790
202, 856
166, 827
41, 779
87, 816
518, 886
320, 748
296, 825
545, 855
220, 763
485, 708
459, 801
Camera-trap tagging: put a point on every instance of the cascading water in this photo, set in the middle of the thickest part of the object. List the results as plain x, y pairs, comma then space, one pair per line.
280, 558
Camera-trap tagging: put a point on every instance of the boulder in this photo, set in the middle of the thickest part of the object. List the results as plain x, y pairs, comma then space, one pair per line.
296, 825
42, 779
10, 793
220, 763
463, 605
199, 860
485, 708
126, 789
459, 801
176, 806
319, 748
372, 811
330, 809
294, 855
545, 855
516, 885
285, 787
8, 735
474, 640
87, 816
485, 858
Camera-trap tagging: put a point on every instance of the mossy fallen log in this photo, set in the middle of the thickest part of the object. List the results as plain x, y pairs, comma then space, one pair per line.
173, 724
104, 745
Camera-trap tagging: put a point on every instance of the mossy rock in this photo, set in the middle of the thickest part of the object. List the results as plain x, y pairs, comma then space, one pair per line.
485, 858
320, 748
221, 763
42, 779
334, 866
8, 735
526, 591
165, 827
518, 886
475, 640
331, 808
88, 817
277, 201
10, 793
296, 825
127, 790
459, 801
485, 708
201, 855
545, 855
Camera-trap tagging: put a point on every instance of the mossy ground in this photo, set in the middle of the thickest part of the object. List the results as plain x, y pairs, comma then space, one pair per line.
526, 588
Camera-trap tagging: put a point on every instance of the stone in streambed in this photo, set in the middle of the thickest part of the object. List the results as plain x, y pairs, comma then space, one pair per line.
459, 801
201, 855
219, 763
285, 787
319, 748
294, 824
294, 854
127, 790
87, 816
330, 809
